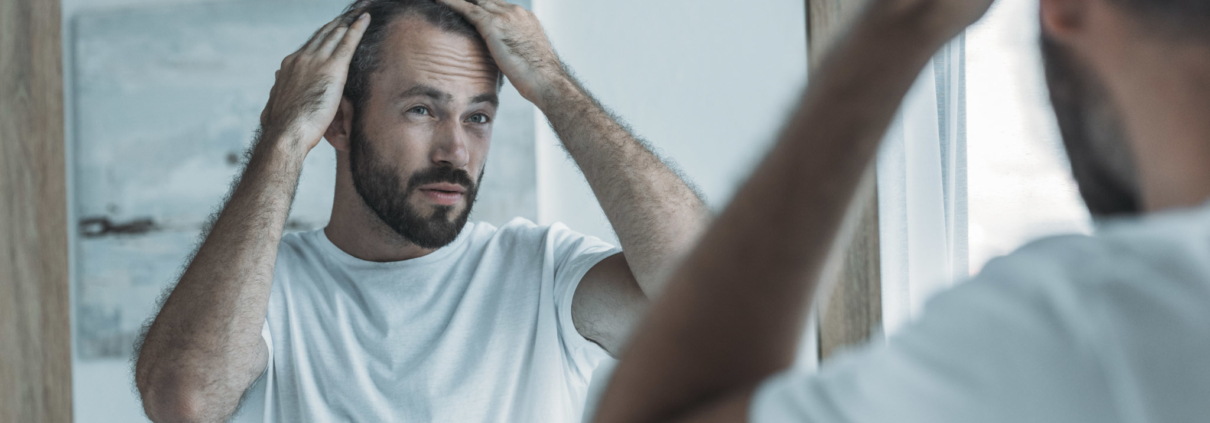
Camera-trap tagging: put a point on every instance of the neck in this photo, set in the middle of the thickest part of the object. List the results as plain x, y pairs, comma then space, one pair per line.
356, 230
1164, 94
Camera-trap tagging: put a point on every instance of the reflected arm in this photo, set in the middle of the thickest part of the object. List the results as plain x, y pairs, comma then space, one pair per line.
204, 348
734, 310
654, 212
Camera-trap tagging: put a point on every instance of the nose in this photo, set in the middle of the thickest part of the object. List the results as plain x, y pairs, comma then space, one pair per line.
450, 147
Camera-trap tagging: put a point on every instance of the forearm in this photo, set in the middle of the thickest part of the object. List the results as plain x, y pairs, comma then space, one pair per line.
204, 348
654, 212
734, 311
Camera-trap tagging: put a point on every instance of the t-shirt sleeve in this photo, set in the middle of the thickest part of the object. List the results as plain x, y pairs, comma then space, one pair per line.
266, 336
991, 350
574, 255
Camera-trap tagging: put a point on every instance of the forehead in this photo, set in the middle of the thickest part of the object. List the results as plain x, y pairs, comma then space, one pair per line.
417, 52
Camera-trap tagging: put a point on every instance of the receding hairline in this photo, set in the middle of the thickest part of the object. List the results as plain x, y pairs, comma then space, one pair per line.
414, 19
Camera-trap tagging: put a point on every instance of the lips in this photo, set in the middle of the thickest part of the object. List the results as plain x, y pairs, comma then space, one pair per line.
444, 187
445, 194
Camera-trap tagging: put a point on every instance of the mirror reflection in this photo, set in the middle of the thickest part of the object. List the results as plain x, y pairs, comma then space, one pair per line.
448, 222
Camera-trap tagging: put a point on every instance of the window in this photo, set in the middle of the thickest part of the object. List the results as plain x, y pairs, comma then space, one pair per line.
1020, 186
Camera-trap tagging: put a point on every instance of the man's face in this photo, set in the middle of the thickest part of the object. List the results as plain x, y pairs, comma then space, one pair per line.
419, 142
1101, 159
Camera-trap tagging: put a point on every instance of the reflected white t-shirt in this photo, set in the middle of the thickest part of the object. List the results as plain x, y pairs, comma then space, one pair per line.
477, 331
1106, 329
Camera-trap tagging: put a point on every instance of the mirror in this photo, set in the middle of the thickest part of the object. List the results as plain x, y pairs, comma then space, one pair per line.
163, 99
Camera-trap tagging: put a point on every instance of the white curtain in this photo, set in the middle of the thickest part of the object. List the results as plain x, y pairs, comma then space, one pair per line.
922, 190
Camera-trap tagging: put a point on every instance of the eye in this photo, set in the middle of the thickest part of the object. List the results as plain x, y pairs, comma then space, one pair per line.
479, 118
420, 110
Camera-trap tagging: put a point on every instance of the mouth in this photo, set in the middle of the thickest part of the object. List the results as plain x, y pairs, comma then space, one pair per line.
445, 194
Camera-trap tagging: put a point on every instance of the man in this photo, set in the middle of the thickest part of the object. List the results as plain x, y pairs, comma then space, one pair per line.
399, 310
1109, 328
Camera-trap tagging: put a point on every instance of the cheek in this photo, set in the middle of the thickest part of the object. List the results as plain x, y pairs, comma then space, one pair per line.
480, 142
406, 143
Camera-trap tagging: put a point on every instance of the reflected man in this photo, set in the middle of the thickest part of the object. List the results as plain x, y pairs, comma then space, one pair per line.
401, 310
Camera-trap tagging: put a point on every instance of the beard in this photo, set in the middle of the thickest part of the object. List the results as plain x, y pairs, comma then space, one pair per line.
1101, 160
381, 188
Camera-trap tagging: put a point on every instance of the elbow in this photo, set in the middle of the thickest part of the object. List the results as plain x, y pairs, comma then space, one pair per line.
167, 399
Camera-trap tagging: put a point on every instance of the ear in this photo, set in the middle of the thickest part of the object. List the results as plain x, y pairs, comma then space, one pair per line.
1063, 20
341, 127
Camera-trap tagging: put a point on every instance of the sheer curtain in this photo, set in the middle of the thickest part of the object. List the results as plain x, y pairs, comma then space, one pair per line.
922, 190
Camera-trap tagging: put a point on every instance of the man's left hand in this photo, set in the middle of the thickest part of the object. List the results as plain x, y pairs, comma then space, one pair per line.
520, 47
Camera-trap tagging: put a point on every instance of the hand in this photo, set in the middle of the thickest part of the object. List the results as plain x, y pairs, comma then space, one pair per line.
516, 40
945, 18
310, 83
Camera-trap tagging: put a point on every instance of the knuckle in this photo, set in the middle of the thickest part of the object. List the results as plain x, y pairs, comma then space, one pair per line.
304, 59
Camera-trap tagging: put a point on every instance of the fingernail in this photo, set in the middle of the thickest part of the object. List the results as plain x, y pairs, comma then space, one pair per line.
363, 16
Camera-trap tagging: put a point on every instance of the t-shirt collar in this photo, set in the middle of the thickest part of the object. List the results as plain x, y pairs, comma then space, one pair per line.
320, 238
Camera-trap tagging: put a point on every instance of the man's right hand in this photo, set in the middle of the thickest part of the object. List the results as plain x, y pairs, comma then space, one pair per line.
310, 84
943, 18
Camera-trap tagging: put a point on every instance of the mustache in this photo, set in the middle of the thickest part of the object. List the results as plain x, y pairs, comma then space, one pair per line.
441, 174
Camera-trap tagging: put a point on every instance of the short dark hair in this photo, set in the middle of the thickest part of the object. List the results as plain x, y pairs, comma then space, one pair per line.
1172, 17
382, 13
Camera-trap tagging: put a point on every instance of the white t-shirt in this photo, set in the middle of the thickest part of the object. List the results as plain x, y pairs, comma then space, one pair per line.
1107, 329
477, 331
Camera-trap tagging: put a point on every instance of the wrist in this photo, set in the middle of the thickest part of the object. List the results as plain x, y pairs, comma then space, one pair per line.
284, 145
559, 91
920, 23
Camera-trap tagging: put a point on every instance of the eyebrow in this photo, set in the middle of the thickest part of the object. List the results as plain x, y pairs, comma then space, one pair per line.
490, 98
422, 90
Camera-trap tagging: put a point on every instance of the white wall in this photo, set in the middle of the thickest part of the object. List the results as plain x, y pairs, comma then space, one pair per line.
708, 83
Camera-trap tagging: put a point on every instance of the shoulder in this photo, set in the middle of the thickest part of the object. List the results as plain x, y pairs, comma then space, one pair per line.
1130, 273
298, 244
1140, 252
299, 253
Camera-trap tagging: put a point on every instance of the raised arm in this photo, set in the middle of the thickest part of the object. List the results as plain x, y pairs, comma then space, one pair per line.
734, 310
204, 349
655, 214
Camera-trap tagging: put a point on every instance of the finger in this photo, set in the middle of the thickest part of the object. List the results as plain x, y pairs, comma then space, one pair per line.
332, 41
471, 11
348, 44
354, 10
494, 6
288, 60
499, 6
317, 39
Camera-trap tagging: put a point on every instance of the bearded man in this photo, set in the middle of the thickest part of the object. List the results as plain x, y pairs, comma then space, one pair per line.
400, 310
